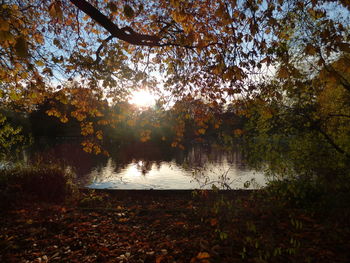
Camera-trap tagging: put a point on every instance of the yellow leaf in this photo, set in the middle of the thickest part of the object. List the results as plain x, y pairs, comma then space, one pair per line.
24, 75
99, 135
87, 128
64, 119
40, 63
203, 255
201, 131
97, 149
14, 96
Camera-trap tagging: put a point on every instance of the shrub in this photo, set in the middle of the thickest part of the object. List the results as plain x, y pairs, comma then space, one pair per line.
295, 192
45, 183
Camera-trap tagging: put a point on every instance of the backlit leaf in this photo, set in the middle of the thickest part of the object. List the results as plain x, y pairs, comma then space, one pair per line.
21, 47
310, 49
128, 11
112, 6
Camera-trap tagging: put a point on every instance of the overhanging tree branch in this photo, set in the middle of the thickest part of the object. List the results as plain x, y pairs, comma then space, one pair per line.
127, 34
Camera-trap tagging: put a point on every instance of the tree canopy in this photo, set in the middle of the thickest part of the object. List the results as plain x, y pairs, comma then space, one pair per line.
89, 53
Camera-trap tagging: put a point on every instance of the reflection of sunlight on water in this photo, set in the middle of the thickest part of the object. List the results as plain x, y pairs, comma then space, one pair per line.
142, 174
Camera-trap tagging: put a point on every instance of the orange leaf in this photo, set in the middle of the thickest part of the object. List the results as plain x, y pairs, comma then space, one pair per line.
203, 255
159, 258
180, 223
213, 222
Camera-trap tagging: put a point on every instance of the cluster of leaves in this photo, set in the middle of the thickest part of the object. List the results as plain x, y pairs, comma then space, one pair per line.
12, 139
187, 121
303, 133
208, 49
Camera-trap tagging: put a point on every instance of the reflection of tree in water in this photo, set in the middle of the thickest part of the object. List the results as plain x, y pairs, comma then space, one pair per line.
145, 166
212, 165
200, 156
144, 155
66, 154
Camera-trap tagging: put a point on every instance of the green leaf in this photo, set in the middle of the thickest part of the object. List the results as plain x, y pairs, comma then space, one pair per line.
14, 96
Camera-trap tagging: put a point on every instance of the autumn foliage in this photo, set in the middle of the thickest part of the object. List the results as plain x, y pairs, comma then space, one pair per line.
281, 68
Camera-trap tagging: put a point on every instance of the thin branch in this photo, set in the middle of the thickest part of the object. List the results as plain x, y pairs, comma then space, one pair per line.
338, 115
104, 42
331, 142
330, 69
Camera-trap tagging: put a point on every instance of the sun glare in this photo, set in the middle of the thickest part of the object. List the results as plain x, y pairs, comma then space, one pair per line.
143, 99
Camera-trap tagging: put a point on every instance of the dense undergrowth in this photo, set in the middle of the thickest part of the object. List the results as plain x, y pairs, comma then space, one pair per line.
41, 184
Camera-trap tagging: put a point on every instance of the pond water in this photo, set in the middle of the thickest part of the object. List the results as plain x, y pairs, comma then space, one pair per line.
149, 166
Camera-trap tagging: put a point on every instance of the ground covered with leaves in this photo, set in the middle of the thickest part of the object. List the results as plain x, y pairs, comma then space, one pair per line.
172, 226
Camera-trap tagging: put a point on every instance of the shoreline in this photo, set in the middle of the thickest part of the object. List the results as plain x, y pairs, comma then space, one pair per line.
166, 193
